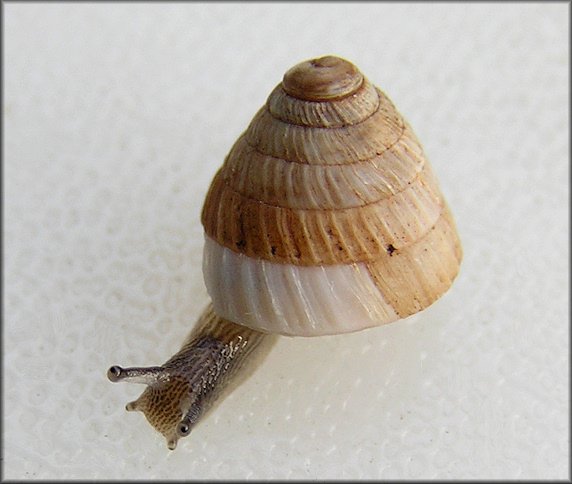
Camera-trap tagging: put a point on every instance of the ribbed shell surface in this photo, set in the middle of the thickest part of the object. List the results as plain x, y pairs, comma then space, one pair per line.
338, 181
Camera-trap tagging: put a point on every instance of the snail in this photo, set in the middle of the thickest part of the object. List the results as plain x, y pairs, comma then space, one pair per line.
325, 218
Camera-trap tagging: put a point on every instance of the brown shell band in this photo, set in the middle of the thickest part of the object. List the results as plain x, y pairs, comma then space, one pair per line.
413, 278
312, 237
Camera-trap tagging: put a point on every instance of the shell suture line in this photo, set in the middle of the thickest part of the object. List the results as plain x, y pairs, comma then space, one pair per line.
360, 160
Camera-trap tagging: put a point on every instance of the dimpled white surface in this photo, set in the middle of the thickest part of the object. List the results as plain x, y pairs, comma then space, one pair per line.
117, 116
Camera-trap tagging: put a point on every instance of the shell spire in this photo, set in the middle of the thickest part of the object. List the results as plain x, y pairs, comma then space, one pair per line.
326, 216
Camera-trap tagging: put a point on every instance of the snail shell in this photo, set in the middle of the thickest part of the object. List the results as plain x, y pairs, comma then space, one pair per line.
326, 216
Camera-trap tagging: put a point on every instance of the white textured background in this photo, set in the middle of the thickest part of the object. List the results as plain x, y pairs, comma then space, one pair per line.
116, 117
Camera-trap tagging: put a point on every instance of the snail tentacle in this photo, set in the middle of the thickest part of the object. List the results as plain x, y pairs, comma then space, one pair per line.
147, 375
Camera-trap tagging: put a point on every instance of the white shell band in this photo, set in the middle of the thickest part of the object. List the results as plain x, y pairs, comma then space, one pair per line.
292, 300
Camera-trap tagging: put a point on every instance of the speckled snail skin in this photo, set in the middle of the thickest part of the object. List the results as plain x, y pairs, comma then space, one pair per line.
325, 218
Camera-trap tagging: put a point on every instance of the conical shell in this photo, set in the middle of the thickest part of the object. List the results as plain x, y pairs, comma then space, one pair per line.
326, 216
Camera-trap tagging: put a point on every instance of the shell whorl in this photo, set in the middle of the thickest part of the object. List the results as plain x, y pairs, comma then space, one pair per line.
322, 79
328, 172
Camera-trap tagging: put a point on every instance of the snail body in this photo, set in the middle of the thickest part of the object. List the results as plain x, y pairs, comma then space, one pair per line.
216, 357
325, 218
